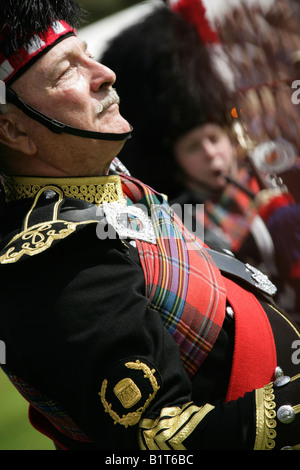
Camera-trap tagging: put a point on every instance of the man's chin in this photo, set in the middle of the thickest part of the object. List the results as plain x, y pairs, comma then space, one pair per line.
116, 124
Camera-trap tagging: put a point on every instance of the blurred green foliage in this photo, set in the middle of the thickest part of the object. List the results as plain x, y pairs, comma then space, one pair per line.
16, 433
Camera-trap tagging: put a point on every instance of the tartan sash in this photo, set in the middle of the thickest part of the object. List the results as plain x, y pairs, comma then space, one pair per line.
233, 213
181, 280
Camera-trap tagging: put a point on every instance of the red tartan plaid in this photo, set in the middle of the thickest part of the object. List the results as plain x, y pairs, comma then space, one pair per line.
182, 282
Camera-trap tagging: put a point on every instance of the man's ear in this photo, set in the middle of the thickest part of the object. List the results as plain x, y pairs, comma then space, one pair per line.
13, 134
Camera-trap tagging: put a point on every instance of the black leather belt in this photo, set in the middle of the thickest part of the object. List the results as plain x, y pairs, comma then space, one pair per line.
229, 265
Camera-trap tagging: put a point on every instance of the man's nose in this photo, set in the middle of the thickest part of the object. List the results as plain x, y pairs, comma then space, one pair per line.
101, 77
209, 149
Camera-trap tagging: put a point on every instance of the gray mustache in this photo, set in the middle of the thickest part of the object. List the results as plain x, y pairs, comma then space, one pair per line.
111, 98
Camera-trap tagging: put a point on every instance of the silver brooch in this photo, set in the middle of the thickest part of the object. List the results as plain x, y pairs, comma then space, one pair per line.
262, 281
118, 215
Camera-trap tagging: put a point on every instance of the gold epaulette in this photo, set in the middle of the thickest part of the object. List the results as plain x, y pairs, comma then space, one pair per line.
43, 224
34, 238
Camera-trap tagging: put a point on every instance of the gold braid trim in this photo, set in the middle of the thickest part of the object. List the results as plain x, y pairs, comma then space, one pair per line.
169, 430
265, 418
295, 377
96, 189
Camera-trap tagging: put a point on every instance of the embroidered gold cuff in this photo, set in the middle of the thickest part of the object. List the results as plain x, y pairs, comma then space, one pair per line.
169, 430
265, 418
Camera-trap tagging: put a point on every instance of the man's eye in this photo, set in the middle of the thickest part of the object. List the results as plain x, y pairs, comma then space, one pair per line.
192, 148
65, 72
214, 138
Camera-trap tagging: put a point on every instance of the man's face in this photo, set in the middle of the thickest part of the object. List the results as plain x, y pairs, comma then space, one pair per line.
206, 155
68, 85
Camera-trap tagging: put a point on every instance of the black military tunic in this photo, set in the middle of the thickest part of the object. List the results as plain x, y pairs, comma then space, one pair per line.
93, 358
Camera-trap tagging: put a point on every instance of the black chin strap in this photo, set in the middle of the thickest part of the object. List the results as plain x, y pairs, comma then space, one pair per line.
59, 127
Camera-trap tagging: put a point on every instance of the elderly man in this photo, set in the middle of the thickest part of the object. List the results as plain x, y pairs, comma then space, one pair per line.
126, 336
